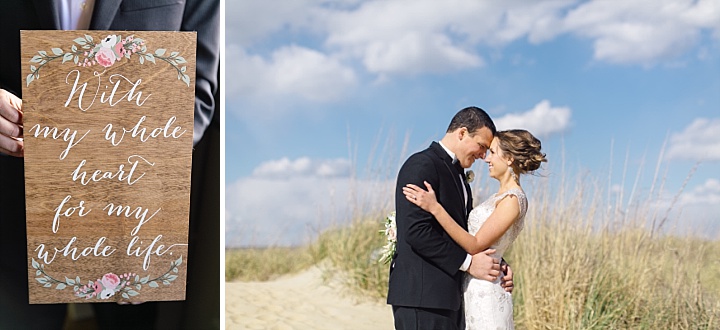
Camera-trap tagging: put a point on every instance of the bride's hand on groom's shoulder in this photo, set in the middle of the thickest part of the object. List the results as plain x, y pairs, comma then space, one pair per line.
506, 281
483, 266
425, 199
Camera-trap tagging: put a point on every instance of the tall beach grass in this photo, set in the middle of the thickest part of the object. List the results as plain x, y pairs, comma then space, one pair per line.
586, 259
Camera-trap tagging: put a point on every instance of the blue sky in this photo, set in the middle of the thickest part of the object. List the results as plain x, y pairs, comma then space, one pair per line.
325, 99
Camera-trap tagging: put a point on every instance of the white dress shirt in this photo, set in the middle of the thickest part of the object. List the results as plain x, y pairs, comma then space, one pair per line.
75, 14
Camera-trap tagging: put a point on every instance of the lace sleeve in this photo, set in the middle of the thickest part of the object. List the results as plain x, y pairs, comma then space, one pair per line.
522, 200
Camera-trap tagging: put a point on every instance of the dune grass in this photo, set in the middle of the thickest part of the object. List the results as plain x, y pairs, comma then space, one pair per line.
264, 264
570, 272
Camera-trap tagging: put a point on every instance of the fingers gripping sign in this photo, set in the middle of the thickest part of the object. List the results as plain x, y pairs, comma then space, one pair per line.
11, 129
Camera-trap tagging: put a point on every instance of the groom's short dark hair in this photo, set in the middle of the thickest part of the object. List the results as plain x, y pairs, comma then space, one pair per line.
472, 118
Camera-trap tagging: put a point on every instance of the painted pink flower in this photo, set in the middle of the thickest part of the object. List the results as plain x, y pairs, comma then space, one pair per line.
97, 286
110, 281
105, 57
120, 50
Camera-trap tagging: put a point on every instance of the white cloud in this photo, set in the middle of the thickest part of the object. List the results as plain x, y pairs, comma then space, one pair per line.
250, 21
262, 211
429, 33
698, 209
700, 141
415, 53
288, 202
642, 32
285, 168
708, 193
307, 49
291, 71
542, 120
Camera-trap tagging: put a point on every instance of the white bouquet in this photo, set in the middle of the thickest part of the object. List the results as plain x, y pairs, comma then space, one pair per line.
390, 233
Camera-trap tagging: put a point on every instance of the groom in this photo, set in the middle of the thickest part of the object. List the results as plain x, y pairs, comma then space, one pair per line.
427, 270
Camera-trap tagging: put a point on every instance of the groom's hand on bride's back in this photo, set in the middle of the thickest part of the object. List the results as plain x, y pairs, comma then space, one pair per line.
484, 266
507, 277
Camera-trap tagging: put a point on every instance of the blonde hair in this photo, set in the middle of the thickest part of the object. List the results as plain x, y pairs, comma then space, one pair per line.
523, 147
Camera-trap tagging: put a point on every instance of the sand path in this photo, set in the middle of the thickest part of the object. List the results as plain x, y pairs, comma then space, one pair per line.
300, 301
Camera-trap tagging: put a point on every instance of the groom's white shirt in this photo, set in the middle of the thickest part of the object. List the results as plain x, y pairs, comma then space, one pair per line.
75, 14
468, 259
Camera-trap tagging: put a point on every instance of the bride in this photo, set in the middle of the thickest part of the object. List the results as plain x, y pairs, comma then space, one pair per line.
493, 224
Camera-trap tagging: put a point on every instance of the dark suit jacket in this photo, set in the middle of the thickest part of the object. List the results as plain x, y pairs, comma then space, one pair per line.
425, 270
170, 15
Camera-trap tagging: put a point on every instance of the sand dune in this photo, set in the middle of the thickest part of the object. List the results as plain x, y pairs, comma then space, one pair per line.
301, 301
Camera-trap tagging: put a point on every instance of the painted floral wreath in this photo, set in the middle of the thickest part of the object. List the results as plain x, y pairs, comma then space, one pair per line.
111, 49
109, 284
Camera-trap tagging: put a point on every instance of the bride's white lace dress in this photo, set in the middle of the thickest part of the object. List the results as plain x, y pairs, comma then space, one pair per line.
487, 305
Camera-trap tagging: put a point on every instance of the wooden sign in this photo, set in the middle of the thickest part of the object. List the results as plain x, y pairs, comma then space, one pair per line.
108, 126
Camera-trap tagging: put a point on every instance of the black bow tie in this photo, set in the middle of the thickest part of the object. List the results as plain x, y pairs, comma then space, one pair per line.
459, 168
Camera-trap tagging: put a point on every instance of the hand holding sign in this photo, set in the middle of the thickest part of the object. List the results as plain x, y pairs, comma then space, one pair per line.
11, 130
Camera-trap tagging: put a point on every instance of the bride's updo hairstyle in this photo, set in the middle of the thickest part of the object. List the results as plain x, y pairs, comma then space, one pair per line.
523, 147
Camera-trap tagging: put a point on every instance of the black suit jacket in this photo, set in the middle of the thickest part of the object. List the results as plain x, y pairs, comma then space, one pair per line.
15, 15
425, 269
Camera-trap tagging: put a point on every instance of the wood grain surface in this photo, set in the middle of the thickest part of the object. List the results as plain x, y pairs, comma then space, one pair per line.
108, 153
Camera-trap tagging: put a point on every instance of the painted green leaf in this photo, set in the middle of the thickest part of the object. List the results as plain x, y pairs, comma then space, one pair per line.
69, 281
172, 277
76, 59
60, 286
77, 280
166, 282
36, 59
180, 60
41, 280
47, 285
33, 68
150, 58
80, 41
142, 59
153, 284
133, 293
43, 53
125, 295
35, 264
57, 51
88, 38
186, 79
73, 48
138, 287
144, 279
173, 54
67, 57
160, 52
